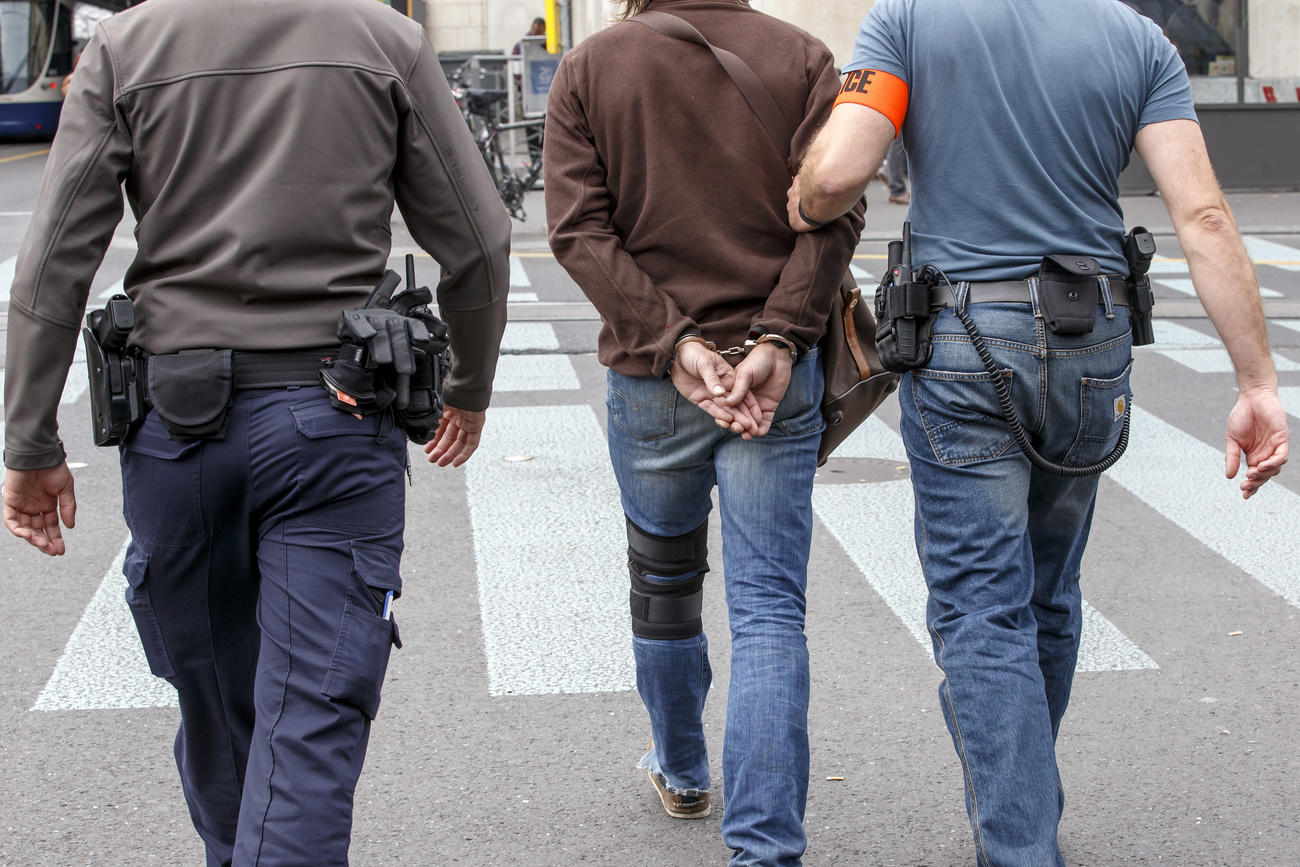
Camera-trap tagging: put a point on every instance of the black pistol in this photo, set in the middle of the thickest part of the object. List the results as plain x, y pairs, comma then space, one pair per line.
1139, 248
116, 373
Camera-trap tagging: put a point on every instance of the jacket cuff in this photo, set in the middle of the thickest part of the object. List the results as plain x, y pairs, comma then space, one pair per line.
42, 460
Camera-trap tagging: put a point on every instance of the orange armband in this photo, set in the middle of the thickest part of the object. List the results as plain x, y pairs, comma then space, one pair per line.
885, 93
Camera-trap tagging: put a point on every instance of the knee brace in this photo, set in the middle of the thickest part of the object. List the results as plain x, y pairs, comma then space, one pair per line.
667, 610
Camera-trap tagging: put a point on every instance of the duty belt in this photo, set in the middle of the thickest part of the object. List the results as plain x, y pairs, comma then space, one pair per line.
1015, 292
271, 368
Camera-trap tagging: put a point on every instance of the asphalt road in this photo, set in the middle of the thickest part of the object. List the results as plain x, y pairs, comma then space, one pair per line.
510, 726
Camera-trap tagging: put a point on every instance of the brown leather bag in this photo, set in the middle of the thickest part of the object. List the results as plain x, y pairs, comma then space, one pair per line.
856, 382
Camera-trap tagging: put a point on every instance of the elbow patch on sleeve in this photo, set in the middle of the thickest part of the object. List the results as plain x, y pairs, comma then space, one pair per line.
881, 91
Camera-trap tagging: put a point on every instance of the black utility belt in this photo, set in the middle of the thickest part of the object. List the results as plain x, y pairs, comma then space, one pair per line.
251, 369
192, 390
1016, 292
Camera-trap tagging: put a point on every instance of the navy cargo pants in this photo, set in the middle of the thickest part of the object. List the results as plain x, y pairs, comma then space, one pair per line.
256, 573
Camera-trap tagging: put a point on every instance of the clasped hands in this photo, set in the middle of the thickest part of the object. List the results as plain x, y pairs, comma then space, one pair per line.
742, 399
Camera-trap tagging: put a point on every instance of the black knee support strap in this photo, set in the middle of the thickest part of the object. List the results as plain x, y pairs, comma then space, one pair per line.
667, 609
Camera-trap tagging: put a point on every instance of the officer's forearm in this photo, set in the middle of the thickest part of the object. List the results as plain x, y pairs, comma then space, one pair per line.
841, 160
1225, 282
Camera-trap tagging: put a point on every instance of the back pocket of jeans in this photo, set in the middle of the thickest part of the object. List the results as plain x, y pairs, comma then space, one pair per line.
961, 414
645, 416
1103, 405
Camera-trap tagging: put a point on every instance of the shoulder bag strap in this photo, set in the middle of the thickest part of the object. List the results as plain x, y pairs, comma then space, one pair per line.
747, 81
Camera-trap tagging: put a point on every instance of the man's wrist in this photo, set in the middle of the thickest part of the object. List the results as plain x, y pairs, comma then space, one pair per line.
778, 341
803, 215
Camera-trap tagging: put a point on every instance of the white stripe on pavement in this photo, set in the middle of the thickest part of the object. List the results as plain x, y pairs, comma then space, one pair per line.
523, 336
873, 523
7, 278
1218, 360
115, 289
522, 296
1201, 352
549, 543
1171, 334
862, 275
518, 276
1290, 400
1186, 287
1271, 252
535, 373
1182, 478
103, 666
1293, 324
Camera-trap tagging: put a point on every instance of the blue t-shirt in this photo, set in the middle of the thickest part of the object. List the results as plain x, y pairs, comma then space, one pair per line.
1021, 116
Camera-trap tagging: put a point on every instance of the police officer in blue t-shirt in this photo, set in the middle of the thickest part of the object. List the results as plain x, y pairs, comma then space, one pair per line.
1018, 117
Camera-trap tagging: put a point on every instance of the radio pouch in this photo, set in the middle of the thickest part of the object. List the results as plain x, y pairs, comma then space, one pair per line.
192, 391
1068, 293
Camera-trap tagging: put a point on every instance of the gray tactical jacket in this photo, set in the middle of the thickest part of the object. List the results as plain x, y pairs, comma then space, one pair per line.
262, 146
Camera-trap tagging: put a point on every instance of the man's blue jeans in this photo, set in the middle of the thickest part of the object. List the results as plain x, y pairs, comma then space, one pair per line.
1000, 542
668, 455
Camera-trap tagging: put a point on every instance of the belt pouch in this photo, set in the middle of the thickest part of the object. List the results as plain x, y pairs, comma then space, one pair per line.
1069, 293
192, 391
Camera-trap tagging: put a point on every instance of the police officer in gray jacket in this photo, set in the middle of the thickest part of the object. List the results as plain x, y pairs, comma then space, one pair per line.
1018, 117
261, 147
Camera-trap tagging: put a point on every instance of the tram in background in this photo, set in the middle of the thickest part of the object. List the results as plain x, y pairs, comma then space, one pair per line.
36, 52
38, 47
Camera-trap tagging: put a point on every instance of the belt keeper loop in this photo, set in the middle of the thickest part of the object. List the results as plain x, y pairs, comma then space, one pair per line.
1104, 282
961, 295
1033, 297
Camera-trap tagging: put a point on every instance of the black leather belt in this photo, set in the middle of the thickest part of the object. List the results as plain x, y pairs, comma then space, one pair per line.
1015, 292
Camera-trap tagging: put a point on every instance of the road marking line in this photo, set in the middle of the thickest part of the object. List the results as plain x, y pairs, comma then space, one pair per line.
525, 336
549, 543
1186, 288
115, 289
873, 524
535, 373
1290, 400
1198, 351
518, 276
862, 275
1263, 252
78, 381
522, 297
1293, 324
1217, 360
1181, 478
7, 278
24, 156
103, 665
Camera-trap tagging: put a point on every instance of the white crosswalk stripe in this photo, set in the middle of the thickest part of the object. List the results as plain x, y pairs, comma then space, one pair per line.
873, 523
1179, 476
1290, 400
529, 336
1186, 288
1198, 351
547, 537
539, 566
7, 278
103, 666
1272, 253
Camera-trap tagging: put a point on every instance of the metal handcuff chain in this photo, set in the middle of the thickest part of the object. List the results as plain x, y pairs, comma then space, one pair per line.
1013, 420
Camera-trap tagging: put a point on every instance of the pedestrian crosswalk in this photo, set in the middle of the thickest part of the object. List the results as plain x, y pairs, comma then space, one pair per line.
547, 527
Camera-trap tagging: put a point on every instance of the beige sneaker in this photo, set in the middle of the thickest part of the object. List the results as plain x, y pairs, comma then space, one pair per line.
680, 806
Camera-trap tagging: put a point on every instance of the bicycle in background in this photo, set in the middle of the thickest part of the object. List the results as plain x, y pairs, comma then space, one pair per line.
483, 111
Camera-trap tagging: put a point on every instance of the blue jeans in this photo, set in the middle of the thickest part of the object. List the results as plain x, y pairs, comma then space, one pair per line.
668, 454
1000, 543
